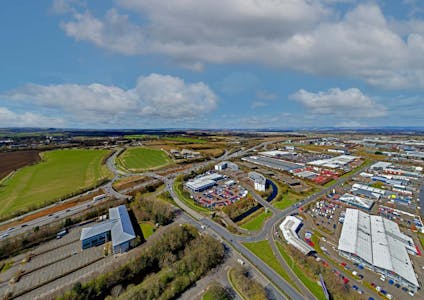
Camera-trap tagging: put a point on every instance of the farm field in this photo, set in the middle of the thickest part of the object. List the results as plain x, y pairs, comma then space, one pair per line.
135, 159
10, 161
188, 140
60, 174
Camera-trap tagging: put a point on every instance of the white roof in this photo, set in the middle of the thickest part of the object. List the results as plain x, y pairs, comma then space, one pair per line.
334, 162
377, 241
356, 200
289, 229
380, 165
358, 186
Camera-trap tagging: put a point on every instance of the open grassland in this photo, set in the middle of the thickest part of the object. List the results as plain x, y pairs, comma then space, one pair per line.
135, 159
61, 174
10, 161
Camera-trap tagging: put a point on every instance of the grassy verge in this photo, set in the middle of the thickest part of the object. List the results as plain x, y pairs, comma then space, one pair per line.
287, 200
256, 220
147, 228
311, 284
6, 266
185, 197
421, 237
263, 250
230, 275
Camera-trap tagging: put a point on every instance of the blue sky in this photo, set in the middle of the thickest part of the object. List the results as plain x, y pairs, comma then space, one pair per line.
212, 63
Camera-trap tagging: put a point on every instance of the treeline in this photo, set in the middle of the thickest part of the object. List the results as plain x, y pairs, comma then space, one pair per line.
163, 270
240, 207
155, 210
248, 287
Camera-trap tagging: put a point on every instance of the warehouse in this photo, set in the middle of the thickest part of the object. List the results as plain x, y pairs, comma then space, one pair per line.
289, 227
117, 229
334, 162
357, 201
378, 244
204, 182
226, 164
273, 163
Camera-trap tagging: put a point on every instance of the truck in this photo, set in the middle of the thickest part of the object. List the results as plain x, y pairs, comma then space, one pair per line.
99, 197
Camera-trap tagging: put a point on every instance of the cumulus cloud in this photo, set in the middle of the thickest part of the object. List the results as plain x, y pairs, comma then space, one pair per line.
154, 96
9, 118
351, 103
306, 36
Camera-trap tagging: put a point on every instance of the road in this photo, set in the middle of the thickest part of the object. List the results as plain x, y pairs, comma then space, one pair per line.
279, 286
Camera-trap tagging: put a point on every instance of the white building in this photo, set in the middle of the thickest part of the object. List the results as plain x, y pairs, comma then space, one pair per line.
203, 182
289, 227
378, 245
259, 181
226, 164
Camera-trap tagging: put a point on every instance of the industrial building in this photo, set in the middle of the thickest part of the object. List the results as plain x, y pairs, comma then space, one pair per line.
117, 229
273, 163
259, 181
357, 201
377, 244
204, 182
334, 162
226, 164
290, 227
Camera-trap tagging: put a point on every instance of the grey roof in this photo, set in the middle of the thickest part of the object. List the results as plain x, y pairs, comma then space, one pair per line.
122, 230
97, 229
378, 241
257, 177
119, 224
274, 163
357, 201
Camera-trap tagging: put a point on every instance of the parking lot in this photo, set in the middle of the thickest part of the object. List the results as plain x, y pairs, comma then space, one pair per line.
53, 262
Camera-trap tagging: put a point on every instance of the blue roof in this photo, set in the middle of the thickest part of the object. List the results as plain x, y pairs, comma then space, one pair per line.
119, 224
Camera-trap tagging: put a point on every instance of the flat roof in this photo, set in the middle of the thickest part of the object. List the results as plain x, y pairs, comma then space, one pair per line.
378, 241
289, 229
334, 162
357, 200
273, 163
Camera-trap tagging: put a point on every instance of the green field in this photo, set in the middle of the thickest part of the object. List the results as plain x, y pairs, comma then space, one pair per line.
263, 250
60, 174
256, 221
287, 200
311, 284
147, 228
143, 159
187, 140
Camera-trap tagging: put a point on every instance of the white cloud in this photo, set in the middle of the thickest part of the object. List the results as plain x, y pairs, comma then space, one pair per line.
350, 103
9, 118
154, 96
300, 35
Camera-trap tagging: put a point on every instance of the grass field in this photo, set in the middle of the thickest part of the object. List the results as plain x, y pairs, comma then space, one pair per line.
311, 284
187, 140
287, 200
60, 174
143, 159
147, 228
256, 221
263, 250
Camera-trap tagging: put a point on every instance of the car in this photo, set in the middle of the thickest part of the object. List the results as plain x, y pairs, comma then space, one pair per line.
389, 296
371, 298
411, 293
373, 284
391, 281
404, 289
10, 229
384, 292
383, 278
361, 276
397, 285
24, 225
378, 288
5, 235
355, 287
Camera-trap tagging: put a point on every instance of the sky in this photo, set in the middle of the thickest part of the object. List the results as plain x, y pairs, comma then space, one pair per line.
211, 63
